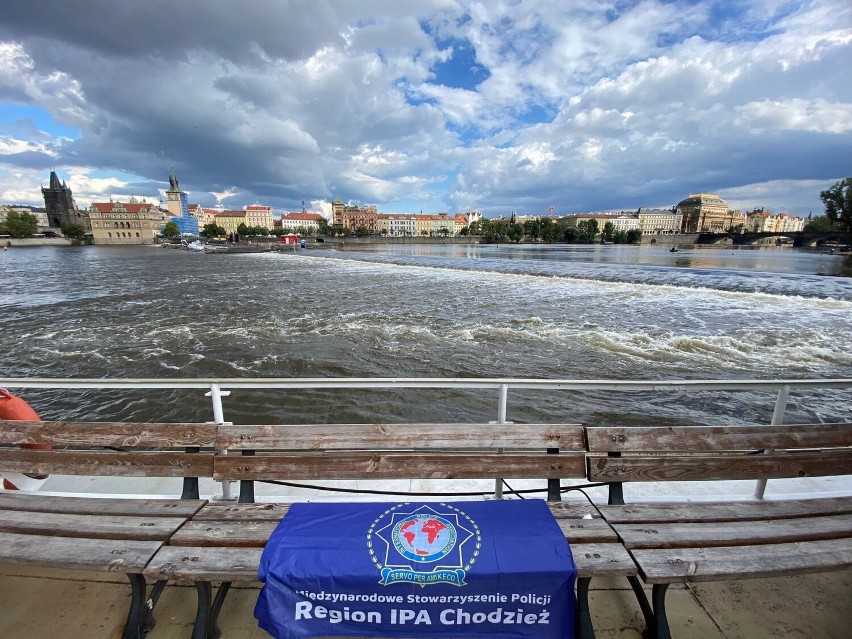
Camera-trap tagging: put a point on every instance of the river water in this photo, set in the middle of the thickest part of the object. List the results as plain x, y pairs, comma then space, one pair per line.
389, 310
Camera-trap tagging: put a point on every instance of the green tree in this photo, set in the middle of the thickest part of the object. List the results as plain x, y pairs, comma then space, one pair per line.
74, 231
171, 229
608, 230
362, 231
243, 230
21, 224
819, 224
634, 236
324, 227
515, 232
213, 230
838, 206
587, 230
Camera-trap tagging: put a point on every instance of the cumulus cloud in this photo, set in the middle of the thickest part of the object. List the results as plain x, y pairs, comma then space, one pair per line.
438, 105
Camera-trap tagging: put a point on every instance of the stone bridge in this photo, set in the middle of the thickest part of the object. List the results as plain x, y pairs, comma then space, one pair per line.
799, 239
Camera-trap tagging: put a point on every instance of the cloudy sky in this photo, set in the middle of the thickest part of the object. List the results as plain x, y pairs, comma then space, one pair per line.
433, 105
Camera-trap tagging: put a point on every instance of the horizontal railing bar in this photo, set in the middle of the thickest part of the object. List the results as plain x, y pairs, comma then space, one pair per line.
425, 382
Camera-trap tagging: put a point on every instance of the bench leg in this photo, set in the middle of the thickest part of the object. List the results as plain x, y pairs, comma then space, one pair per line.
644, 605
582, 617
661, 625
136, 615
150, 602
206, 615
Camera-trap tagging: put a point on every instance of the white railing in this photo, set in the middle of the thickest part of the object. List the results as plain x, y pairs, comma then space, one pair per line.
216, 388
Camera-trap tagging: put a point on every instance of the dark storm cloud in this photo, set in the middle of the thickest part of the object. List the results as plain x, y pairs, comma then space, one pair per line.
285, 29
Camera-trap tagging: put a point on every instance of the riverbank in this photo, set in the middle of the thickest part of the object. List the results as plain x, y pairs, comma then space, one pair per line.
26, 242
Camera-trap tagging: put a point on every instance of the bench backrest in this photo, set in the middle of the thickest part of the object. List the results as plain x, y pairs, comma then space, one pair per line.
122, 449
399, 451
688, 453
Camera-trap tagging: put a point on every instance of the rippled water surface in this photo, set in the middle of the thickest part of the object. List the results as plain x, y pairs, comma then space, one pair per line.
603, 312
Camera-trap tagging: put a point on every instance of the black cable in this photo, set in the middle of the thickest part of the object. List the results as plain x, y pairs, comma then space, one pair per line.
425, 494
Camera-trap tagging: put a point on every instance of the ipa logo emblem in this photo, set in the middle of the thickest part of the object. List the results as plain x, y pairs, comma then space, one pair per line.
423, 545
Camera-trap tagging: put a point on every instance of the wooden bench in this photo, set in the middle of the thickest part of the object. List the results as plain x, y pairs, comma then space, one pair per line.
693, 542
224, 542
101, 534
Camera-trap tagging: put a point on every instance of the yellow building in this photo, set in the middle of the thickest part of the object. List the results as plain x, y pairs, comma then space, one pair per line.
230, 220
126, 223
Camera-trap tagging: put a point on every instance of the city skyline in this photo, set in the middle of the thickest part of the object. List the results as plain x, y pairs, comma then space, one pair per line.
443, 107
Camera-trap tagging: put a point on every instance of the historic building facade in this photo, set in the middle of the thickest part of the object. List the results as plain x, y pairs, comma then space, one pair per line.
660, 221
708, 213
352, 218
126, 222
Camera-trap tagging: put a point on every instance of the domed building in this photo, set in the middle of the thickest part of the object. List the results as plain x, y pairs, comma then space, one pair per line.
704, 213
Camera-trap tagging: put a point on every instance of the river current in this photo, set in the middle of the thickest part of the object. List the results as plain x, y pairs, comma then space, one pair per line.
389, 310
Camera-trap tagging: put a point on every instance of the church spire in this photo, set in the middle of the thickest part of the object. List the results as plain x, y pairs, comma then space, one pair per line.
173, 181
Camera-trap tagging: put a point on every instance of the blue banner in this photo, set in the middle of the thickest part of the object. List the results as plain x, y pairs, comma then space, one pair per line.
417, 569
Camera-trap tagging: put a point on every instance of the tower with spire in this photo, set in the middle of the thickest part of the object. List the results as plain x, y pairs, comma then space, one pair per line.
176, 200
60, 206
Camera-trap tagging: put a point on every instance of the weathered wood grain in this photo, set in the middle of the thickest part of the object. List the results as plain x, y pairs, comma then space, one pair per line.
582, 531
706, 467
105, 555
217, 511
572, 510
101, 505
734, 533
187, 563
92, 526
251, 534
107, 463
739, 562
707, 438
724, 511
398, 466
400, 436
603, 560
118, 434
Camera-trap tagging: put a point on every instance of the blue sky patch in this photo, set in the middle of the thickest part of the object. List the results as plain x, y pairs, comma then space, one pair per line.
24, 120
461, 71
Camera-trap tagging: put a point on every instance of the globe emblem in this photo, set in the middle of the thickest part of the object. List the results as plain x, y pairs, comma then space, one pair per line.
424, 537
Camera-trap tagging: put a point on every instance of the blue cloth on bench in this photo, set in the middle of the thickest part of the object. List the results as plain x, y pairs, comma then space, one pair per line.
417, 569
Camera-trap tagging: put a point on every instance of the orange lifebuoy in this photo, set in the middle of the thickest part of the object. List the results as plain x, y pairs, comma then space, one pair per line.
13, 407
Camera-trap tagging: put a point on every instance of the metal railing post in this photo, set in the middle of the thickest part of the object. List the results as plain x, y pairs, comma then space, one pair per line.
501, 419
216, 394
777, 420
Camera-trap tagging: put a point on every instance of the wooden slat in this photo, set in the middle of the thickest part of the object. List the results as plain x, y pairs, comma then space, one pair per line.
118, 434
707, 438
93, 526
572, 510
252, 534
705, 467
240, 564
713, 564
242, 512
275, 511
107, 463
398, 466
582, 531
106, 555
736, 533
603, 560
101, 506
724, 511
204, 563
400, 436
